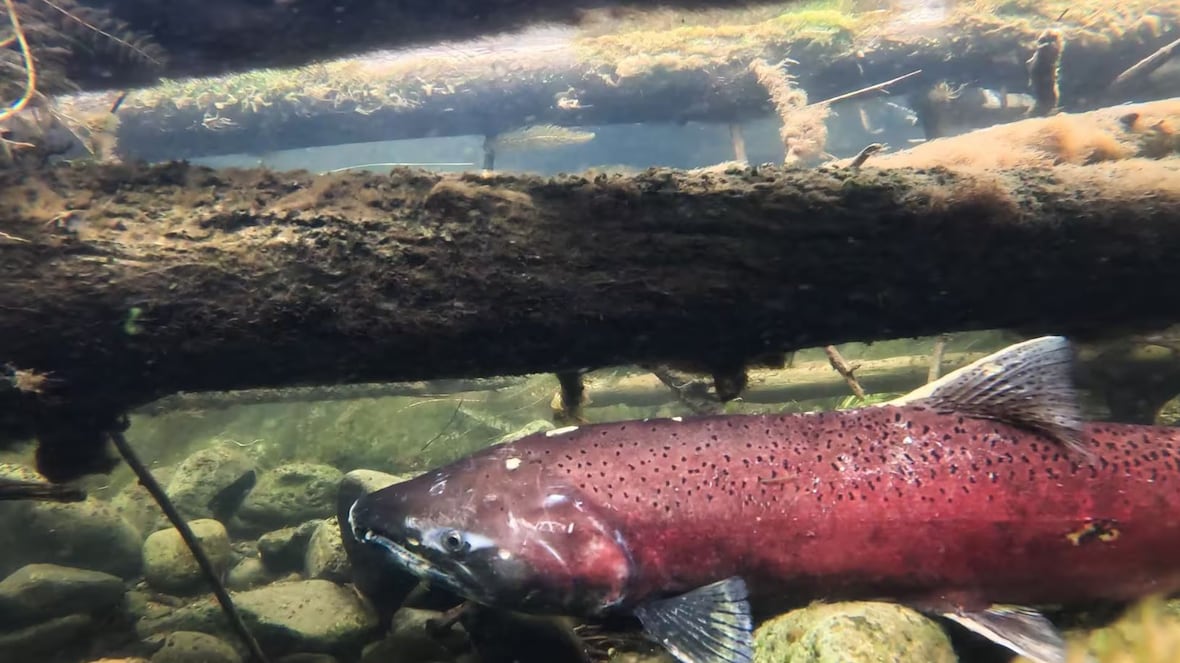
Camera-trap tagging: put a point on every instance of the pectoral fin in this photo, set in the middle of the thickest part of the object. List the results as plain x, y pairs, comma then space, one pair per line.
1023, 630
711, 624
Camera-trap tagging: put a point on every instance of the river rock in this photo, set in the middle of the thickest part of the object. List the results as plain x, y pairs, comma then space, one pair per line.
291, 494
411, 640
326, 557
854, 632
285, 549
142, 603
193, 647
211, 483
137, 506
169, 565
37, 592
85, 535
358, 482
249, 573
1145, 632
315, 616
39, 641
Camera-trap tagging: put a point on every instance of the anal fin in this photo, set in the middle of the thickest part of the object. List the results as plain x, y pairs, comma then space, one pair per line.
1022, 630
711, 624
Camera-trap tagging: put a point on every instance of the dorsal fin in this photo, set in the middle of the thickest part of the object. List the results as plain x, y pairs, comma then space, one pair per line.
1028, 384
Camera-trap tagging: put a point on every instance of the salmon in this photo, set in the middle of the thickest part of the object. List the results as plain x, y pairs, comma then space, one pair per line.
982, 497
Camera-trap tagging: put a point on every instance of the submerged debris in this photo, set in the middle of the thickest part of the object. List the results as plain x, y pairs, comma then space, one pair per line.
15, 489
1044, 68
804, 131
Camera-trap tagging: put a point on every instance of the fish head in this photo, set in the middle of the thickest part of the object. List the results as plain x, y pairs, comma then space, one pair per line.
497, 529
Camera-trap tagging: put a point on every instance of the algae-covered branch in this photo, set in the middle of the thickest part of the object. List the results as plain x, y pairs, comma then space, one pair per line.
641, 70
126, 283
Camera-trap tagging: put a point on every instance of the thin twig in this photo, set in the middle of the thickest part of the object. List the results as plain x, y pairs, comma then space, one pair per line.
119, 101
1144, 67
450, 421
30, 66
153, 487
12, 238
845, 370
865, 90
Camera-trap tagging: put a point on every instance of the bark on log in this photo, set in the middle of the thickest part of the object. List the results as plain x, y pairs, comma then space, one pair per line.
126, 283
694, 73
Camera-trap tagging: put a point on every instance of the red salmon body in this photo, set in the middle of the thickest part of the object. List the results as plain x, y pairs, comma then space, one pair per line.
976, 497
896, 502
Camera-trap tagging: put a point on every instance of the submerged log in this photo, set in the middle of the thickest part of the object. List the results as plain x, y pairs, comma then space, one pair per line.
1133, 367
125, 283
210, 36
642, 71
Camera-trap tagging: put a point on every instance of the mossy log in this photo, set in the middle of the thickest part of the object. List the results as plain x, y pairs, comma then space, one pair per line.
639, 71
208, 37
125, 283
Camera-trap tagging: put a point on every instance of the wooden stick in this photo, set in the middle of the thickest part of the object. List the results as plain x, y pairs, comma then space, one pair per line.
865, 90
223, 598
845, 369
1144, 67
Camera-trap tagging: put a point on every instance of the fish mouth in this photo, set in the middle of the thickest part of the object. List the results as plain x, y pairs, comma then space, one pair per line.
416, 564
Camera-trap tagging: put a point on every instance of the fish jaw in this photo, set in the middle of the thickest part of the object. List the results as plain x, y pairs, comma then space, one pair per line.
495, 528
399, 555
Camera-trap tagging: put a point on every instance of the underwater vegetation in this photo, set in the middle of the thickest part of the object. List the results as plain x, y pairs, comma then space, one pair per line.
45, 44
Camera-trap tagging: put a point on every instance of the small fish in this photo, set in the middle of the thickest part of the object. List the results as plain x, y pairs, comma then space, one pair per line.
979, 497
15, 489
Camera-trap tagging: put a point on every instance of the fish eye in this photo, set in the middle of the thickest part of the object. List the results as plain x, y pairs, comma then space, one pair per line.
453, 541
